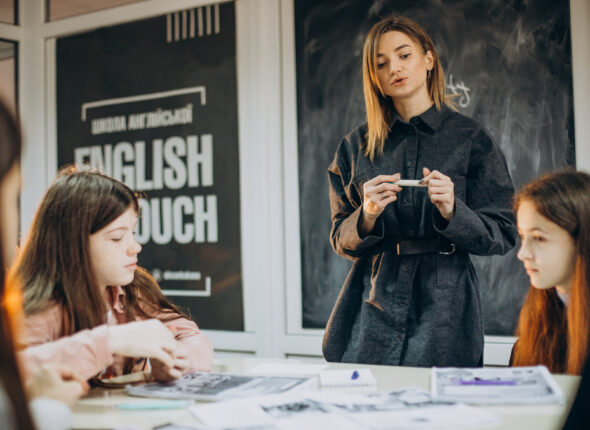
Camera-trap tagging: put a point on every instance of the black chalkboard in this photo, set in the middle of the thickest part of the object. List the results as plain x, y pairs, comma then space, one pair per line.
510, 64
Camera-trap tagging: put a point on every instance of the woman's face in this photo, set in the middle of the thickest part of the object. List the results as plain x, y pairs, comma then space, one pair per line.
402, 67
547, 251
9, 193
113, 251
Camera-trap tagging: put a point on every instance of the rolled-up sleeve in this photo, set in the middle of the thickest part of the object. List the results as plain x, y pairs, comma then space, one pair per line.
87, 352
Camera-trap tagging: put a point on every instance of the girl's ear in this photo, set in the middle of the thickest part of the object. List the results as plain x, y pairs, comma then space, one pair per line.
428, 60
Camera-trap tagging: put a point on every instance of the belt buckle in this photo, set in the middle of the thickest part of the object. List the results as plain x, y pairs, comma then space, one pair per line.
453, 249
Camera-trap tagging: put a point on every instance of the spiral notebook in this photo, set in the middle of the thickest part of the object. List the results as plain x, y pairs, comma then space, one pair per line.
347, 378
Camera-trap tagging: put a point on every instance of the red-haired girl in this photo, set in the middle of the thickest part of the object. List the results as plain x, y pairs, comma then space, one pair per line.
552, 218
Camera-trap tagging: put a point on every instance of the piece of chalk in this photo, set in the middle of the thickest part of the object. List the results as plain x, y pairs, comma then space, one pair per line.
410, 183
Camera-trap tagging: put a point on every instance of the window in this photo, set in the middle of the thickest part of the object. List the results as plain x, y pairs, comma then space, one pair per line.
57, 9
8, 71
8, 11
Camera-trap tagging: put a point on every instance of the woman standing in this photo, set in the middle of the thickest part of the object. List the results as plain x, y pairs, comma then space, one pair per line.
411, 297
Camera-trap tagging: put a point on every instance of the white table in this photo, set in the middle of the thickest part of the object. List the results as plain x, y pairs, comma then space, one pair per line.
97, 410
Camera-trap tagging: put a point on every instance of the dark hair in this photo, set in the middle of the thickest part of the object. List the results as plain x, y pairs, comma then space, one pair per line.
144, 299
10, 375
54, 264
550, 333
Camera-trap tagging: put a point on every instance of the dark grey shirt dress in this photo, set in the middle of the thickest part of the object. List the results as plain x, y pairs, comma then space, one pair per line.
419, 309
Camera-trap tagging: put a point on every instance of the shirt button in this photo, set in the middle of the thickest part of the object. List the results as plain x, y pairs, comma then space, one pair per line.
409, 165
403, 303
405, 267
398, 338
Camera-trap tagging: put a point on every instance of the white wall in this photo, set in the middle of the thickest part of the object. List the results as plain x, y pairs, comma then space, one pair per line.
267, 151
580, 24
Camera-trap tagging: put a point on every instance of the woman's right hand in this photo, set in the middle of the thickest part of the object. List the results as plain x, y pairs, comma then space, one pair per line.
149, 338
377, 194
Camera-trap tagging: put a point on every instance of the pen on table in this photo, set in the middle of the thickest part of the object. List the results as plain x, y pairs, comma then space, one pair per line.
153, 405
355, 374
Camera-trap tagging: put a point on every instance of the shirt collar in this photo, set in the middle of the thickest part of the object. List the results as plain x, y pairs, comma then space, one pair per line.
432, 117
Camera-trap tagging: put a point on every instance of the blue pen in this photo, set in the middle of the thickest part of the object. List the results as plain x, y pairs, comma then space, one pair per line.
355, 375
153, 405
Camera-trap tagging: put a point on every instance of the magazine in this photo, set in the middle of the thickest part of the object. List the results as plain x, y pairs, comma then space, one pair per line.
217, 386
512, 385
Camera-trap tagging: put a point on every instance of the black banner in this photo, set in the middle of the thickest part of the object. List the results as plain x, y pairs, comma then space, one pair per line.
154, 103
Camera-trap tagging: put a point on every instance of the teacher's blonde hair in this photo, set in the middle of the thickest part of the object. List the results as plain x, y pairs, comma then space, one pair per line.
379, 106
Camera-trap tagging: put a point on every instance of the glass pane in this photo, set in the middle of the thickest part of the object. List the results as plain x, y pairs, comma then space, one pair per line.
8, 72
7, 11
58, 9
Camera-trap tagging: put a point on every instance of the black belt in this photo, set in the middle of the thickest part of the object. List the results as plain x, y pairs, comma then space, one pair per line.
423, 246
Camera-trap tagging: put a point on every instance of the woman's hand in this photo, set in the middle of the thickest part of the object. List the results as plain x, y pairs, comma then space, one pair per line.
377, 194
441, 191
163, 373
149, 338
56, 382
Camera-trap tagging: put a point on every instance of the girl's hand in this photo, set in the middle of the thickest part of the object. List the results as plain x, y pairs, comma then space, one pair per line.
56, 382
149, 338
163, 373
441, 191
378, 193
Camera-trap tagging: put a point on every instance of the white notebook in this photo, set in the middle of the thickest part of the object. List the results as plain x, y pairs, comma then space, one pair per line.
347, 378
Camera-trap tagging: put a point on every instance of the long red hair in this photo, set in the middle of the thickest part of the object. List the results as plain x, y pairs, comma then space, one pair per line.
551, 333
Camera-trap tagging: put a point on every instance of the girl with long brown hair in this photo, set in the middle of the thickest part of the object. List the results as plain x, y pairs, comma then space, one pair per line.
412, 296
81, 244
50, 387
553, 218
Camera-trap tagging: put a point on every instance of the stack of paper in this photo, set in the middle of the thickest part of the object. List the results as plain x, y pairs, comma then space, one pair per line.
513, 385
393, 410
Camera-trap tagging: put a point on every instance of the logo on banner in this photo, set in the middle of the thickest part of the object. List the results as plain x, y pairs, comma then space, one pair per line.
177, 162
